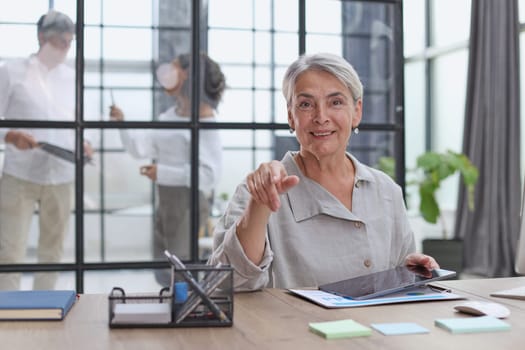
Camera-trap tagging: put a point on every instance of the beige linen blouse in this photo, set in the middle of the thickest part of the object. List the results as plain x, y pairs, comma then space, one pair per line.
314, 239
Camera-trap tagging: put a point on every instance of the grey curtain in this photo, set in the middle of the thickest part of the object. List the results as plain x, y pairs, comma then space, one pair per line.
491, 139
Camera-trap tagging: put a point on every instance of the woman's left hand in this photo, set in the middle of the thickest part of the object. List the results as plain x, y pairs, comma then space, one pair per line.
418, 259
88, 150
150, 171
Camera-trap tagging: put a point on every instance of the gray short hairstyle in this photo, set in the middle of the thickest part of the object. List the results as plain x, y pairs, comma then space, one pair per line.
55, 22
330, 63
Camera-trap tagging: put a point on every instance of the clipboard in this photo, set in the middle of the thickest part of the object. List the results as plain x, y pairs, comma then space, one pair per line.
61, 152
415, 294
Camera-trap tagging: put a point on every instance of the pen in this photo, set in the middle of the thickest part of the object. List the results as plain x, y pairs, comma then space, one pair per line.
210, 282
196, 286
193, 301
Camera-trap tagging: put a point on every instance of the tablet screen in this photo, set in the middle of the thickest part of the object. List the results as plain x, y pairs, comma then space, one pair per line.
385, 282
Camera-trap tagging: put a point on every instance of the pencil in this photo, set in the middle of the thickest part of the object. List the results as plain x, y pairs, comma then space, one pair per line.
196, 286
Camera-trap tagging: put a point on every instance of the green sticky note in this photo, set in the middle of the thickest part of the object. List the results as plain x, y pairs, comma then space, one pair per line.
340, 329
473, 324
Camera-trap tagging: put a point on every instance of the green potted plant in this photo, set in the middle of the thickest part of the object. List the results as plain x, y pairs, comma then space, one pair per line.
431, 169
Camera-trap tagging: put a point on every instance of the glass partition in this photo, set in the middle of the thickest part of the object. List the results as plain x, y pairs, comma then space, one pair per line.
140, 103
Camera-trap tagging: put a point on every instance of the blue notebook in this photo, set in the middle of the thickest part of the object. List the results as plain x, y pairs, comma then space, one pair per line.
36, 304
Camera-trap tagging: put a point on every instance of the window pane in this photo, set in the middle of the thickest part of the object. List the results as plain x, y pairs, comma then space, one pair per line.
263, 50
263, 9
127, 235
263, 76
116, 44
450, 27
19, 11
239, 76
124, 186
449, 109
64, 280
138, 212
236, 106
92, 46
220, 13
449, 100
263, 103
224, 46
324, 43
17, 40
329, 22
254, 66
288, 48
133, 281
136, 104
415, 111
285, 18
93, 13
280, 112
122, 12
414, 26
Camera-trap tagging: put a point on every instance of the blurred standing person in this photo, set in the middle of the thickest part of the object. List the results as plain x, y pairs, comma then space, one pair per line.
40, 87
171, 150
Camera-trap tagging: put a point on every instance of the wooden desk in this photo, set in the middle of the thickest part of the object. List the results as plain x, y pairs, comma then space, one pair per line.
273, 319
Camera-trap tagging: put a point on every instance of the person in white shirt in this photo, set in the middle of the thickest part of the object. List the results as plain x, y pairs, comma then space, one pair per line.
170, 149
40, 87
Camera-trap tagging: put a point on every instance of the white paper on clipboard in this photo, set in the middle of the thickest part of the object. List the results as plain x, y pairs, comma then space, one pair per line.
332, 301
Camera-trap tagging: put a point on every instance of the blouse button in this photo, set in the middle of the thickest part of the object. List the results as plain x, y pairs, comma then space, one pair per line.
367, 263
357, 224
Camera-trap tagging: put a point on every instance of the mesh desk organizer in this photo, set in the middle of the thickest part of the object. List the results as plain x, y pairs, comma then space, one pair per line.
199, 296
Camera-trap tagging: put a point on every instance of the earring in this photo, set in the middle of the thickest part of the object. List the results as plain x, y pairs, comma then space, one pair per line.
291, 130
356, 130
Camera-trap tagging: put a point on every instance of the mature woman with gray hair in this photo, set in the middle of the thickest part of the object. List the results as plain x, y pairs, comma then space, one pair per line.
318, 215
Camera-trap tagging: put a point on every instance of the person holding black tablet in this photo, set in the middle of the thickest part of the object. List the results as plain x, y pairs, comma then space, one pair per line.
170, 148
318, 215
40, 87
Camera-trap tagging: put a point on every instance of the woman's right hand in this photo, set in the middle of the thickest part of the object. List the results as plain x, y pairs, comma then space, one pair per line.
116, 113
268, 182
21, 140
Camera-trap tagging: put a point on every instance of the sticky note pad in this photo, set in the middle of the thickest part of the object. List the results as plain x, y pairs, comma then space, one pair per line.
399, 328
142, 313
473, 324
340, 329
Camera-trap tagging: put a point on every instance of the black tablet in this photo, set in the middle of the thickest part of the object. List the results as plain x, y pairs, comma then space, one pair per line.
385, 282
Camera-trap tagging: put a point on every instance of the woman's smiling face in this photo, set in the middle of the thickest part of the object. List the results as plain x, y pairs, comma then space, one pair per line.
323, 113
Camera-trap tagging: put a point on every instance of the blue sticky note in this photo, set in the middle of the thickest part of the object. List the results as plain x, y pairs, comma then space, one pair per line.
399, 328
